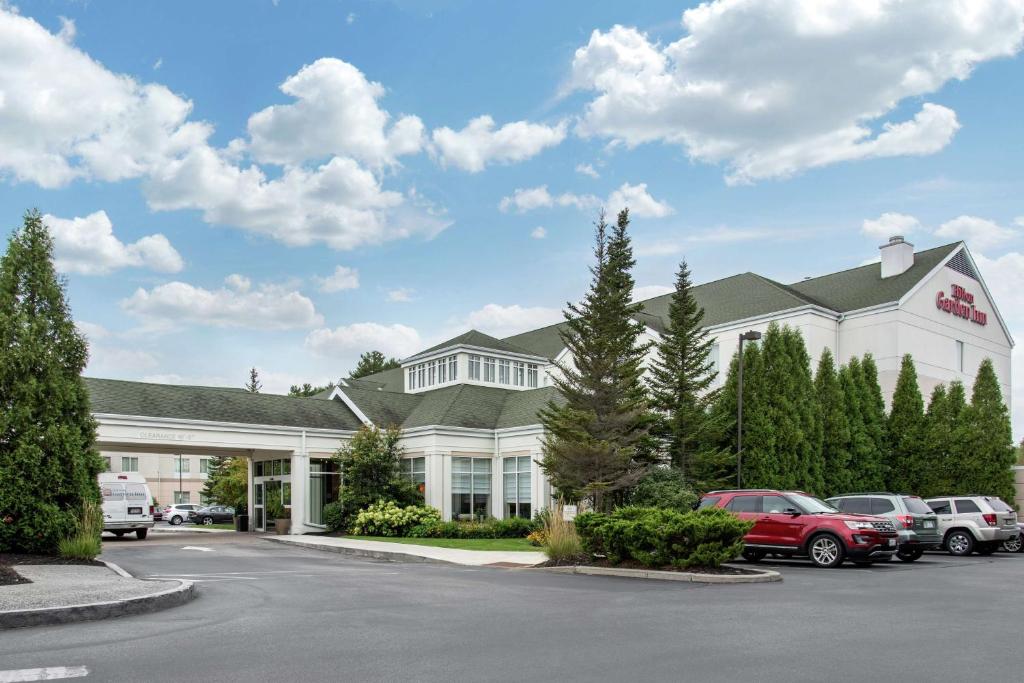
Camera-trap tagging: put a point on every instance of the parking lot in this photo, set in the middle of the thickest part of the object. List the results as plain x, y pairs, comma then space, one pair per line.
269, 612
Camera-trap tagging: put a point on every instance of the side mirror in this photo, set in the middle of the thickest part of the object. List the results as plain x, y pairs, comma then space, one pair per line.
791, 511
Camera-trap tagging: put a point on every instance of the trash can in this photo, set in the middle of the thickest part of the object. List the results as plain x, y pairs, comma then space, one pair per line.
241, 522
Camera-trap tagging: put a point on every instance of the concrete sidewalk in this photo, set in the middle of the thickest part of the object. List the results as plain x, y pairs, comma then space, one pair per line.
383, 550
64, 593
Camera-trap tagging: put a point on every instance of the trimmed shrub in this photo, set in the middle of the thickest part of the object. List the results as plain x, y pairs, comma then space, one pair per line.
334, 516
664, 487
385, 518
656, 537
491, 528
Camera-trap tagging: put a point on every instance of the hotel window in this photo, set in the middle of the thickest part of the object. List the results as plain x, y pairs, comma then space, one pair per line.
204, 465
959, 356
453, 365
713, 362
129, 464
412, 378
531, 376
471, 488
182, 497
488, 369
421, 372
432, 373
503, 371
442, 371
517, 486
415, 471
324, 484
474, 367
182, 466
519, 374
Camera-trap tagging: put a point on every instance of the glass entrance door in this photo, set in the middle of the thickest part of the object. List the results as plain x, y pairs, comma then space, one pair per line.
272, 505
259, 523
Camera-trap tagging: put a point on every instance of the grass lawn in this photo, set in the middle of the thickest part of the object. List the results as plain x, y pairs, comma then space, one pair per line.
460, 543
226, 525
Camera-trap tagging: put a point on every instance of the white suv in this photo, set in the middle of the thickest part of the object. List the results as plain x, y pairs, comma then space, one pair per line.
974, 523
176, 514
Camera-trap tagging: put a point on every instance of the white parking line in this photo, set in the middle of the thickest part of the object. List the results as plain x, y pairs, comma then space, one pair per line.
197, 547
48, 673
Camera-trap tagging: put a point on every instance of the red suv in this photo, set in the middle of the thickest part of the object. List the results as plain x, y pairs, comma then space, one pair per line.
792, 523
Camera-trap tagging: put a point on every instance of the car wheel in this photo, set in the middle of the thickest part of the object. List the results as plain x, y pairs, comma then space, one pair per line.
960, 543
207, 521
751, 555
1013, 545
175, 520
910, 555
141, 534
119, 534
826, 551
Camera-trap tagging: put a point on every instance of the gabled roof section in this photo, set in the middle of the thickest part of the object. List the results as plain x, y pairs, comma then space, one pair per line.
383, 408
545, 341
461, 405
478, 339
863, 287
386, 380
216, 404
522, 407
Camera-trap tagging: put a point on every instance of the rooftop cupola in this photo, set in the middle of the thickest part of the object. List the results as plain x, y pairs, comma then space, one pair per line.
897, 256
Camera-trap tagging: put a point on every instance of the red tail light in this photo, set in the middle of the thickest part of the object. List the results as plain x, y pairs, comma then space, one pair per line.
990, 519
906, 520
151, 509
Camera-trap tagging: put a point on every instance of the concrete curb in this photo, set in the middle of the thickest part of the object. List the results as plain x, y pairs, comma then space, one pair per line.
387, 555
48, 616
762, 576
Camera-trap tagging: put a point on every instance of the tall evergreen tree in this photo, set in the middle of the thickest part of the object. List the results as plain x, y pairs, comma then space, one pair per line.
933, 444
906, 426
597, 441
373, 362
835, 426
861, 446
874, 419
944, 439
682, 374
48, 463
809, 438
254, 385
988, 452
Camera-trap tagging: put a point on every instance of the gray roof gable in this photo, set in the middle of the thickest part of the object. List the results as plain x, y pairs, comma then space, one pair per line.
476, 338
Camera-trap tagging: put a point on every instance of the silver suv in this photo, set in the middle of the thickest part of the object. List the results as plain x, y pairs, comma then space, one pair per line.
916, 524
974, 523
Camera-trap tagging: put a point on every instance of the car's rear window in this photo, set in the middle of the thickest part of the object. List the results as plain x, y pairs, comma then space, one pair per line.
916, 505
998, 505
708, 501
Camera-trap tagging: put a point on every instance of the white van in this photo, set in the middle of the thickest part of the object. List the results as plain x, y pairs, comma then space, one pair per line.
127, 504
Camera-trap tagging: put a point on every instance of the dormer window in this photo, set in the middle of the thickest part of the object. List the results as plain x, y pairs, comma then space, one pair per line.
474, 368
488, 369
503, 371
473, 358
519, 374
531, 376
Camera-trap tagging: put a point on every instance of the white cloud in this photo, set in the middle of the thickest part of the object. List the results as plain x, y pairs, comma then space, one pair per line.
351, 18
503, 321
88, 246
539, 233
107, 361
890, 224
401, 295
479, 144
92, 331
342, 278
979, 233
650, 291
336, 113
588, 170
773, 88
235, 305
350, 340
636, 197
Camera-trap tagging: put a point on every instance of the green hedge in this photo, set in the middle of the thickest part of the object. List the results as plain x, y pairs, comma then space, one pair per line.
492, 528
657, 537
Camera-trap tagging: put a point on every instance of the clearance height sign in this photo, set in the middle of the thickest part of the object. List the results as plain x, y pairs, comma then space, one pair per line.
960, 303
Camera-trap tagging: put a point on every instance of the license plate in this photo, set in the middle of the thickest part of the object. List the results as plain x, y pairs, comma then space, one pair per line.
134, 511
892, 542
929, 524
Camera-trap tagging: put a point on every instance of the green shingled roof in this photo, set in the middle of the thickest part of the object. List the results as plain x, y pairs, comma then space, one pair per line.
386, 380
476, 338
215, 404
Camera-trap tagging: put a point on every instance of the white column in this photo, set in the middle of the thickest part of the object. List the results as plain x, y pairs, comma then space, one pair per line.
250, 493
436, 474
300, 482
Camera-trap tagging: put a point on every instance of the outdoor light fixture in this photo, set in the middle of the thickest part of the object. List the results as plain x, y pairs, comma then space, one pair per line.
751, 335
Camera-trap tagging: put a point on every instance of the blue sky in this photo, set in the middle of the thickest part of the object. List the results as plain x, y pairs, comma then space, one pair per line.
752, 136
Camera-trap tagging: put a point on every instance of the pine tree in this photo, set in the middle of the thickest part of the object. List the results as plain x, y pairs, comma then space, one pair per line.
835, 426
227, 482
933, 445
681, 375
597, 441
809, 438
988, 452
906, 432
373, 362
861, 445
253, 386
872, 406
48, 464
944, 440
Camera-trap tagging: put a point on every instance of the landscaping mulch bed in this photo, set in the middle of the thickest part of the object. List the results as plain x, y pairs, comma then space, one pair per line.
9, 577
633, 564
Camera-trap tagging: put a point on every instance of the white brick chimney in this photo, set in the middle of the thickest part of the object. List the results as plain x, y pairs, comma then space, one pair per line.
897, 256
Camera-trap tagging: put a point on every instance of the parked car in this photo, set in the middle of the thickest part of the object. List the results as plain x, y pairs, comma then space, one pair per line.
793, 523
916, 524
158, 511
1015, 545
176, 514
212, 514
126, 505
974, 523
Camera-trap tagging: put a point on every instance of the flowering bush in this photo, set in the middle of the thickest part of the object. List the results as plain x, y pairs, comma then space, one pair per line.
385, 518
538, 538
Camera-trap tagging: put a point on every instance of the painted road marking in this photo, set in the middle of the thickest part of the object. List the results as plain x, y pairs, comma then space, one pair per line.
48, 673
198, 547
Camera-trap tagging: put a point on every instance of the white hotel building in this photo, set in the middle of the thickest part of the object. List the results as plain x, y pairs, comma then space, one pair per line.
468, 407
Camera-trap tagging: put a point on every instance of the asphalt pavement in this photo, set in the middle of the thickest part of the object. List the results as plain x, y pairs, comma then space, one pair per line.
268, 612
